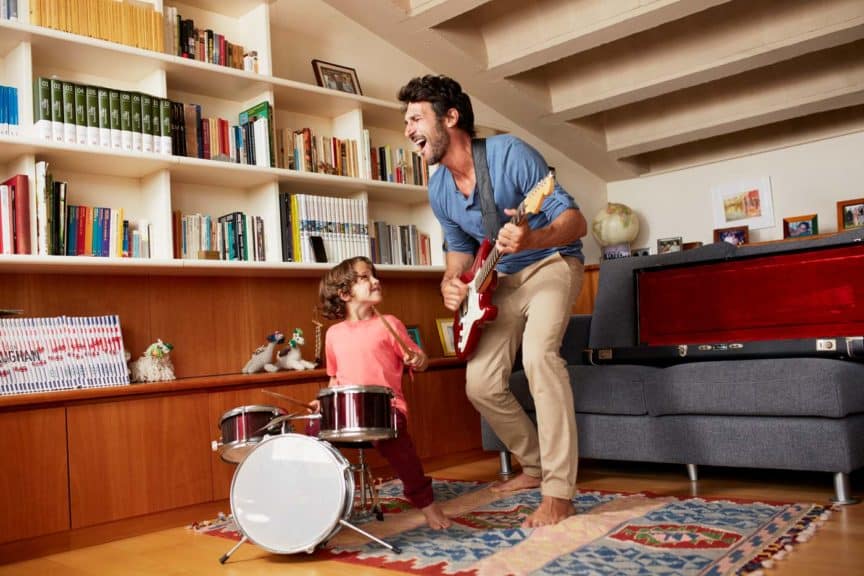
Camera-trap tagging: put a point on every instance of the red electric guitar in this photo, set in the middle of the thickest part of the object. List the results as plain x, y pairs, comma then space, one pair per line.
482, 278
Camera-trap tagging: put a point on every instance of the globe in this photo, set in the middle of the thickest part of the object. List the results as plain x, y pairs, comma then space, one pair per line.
615, 224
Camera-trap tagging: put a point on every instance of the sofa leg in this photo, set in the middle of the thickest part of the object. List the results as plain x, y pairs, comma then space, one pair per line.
506, 468
842, 495
692, 473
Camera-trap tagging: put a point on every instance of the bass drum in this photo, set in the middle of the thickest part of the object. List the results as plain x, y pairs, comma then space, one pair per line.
290, 492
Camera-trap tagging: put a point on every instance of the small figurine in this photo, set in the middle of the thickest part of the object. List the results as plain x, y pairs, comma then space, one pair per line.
289, 358
263, 355
154, 365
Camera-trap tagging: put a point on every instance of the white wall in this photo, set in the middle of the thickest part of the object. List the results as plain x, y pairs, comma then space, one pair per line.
805, 179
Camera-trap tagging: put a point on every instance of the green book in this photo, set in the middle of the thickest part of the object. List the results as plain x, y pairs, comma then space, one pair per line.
126, 120
165, 125
56, 110
92, 100
114, 118
156, 124
147, 123
42, 107
80, 114
136, 122
262, 110
68, 112
104, 100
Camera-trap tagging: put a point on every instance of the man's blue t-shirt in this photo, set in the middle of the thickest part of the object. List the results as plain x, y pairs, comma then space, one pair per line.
514, 169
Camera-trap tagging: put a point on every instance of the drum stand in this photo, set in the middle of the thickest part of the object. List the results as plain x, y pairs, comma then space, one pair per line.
365, 483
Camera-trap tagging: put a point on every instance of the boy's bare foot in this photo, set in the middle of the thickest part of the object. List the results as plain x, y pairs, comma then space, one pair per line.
551, 511
435, 517
521, 482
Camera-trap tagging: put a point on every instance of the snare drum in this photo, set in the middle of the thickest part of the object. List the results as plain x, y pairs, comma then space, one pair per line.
356, 414
242, 428
290, 492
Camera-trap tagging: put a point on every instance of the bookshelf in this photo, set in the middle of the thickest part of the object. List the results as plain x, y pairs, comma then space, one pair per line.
151, 186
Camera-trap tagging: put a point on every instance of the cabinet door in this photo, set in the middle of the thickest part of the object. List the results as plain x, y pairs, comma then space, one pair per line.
135, 457
34, 496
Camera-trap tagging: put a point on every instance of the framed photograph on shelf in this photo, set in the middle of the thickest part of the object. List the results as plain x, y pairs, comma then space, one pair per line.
799, 226
736, 235
414, 333
445, 331
850, 214
743, 203
640, 252
336, 77
667, 245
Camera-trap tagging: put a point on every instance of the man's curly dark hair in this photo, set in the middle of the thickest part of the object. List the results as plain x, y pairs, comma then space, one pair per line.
336, 282
442, 93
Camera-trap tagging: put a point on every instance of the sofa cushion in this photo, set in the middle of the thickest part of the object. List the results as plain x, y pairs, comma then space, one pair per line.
769, 387
598, 390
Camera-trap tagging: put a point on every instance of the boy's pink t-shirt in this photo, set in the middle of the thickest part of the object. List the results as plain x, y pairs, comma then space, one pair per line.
364, 353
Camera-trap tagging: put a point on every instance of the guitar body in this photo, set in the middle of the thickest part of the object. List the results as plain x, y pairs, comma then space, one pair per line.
477, 308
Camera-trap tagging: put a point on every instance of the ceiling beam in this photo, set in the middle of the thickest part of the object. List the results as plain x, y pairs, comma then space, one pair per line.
813, 83
706, 47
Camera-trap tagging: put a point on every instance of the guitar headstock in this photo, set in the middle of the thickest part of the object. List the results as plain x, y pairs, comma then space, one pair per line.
541, 190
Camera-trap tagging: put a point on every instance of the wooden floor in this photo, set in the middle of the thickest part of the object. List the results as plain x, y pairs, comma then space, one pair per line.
835, 549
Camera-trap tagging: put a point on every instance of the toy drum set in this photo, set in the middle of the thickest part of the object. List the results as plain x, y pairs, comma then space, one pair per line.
292, 492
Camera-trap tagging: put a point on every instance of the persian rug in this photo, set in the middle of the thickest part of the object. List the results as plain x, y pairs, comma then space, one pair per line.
612, 533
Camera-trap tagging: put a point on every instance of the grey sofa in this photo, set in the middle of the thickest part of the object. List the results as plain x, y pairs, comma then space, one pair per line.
783, 413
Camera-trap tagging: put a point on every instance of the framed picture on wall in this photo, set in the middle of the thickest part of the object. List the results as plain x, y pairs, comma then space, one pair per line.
850, 214
336, 77
799, 226
445, 331
743, 203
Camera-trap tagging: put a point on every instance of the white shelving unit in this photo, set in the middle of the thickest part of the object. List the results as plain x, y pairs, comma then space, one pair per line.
150, 186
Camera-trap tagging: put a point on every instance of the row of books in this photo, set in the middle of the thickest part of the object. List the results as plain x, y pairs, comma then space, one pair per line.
15, 215
234, 236
60, 353
71, 230
8, 111
249, 141
131, 23
9, 9
400, 244
338, 224
97, 116
182, 38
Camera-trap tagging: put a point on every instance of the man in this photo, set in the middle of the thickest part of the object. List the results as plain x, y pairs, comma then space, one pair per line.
540, 275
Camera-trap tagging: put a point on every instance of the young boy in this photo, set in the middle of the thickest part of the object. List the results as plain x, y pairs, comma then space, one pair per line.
361, 350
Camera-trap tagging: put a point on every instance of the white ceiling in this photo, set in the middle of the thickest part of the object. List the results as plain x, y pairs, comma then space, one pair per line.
629, 87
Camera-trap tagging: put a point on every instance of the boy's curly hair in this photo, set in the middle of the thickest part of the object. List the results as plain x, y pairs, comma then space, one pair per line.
442, 93
336, 282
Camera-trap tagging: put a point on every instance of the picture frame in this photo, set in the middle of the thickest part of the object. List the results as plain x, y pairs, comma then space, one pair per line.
640, 251
614, 251
850, 214
735, 235
800, 226
445, 332
414, 333
336, 77
668, 245
743, 203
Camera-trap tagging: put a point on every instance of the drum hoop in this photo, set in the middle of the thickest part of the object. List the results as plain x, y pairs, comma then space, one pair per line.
355, 389
346, 482
275, 410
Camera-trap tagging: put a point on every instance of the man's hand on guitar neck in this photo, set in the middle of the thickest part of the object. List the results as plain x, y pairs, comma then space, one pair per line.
513, 237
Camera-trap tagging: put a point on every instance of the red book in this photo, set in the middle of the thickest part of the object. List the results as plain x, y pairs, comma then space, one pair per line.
19, 187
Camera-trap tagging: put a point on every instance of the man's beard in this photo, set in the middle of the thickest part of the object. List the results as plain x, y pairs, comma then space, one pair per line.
439, 144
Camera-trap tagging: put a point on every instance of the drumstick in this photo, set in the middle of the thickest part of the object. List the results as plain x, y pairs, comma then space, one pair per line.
395, 334
306, 405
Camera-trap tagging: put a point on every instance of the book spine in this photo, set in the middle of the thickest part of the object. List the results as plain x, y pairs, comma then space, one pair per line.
146, 114
114, 119
56, 110
80, 114
137, 122
103, 99
126, 121
165, 125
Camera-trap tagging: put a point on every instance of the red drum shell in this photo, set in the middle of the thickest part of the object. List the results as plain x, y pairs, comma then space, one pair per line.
356, 414
242, 429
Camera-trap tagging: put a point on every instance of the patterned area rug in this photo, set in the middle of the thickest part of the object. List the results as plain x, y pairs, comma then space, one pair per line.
613, 533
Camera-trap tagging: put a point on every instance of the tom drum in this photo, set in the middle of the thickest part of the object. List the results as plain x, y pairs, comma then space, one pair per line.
242, 428
356, 414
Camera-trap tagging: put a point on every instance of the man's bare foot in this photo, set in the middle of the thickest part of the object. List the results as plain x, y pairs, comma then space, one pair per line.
521, 482
551, 511
435, 517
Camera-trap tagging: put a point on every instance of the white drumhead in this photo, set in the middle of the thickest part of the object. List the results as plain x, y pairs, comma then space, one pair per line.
290, 492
